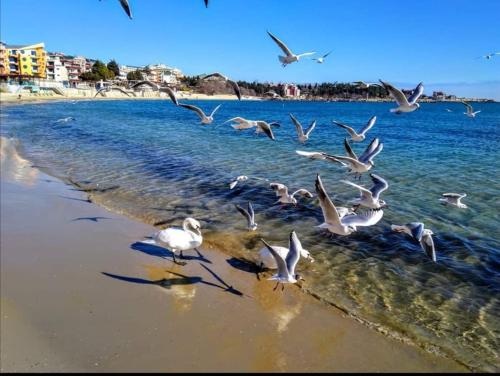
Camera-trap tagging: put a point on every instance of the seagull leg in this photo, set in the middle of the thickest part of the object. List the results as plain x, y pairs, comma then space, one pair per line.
282, 287
275, 287
181, 255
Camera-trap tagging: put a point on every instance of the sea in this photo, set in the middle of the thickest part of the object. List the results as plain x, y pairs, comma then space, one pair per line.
156, 163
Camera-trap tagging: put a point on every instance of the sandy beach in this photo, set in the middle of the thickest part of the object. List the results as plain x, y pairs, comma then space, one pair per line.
78, 293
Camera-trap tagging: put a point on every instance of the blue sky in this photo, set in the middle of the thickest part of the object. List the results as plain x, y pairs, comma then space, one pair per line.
436, 42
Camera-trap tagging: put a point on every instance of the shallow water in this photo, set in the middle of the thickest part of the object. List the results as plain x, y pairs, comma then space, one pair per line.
165, 166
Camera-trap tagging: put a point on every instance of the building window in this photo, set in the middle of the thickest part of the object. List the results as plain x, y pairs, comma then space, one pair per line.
13, 52
12, 59
33, 53
33, 61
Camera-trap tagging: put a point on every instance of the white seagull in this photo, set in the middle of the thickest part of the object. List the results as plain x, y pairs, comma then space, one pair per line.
233, 84
364, 85
65, 120
362, 134
281, 191
249, 215
454, 199
177, 239
267, 260
261, 126
345, 225
240, 178
470, 112
489, 56
370, 197
321, 60
404, 104
286, 265
424, 236
204, 118
290, 56
303, 136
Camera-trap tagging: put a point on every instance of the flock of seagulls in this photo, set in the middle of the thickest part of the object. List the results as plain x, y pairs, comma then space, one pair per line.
341, 221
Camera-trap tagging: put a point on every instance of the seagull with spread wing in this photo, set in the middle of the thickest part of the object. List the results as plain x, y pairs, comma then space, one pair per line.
454, 199
370, 198
249, 215
418, 232
302, 135
233, 84
362, 134
281, 191
470, 112
404, 104
321, 60
290, 56
204, 118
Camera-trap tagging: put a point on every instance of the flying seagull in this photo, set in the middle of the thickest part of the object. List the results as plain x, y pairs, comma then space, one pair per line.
261, 126
286, 266
267, 261
206, 3
404, 104
424, 236
454, 199
249, 215
303, 136
281, 191
370, 197
234, 85
290, 56
320, 60
364, 85
170, 93
204, 118
347, 224
361, 135
470, 112
489, 56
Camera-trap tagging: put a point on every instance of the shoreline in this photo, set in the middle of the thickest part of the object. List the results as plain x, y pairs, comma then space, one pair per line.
284, 317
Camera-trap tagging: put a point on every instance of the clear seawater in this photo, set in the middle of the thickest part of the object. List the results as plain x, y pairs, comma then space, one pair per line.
167, 166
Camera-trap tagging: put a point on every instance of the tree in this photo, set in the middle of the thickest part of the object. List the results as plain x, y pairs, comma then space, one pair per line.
135, 76
102, 71
113, 67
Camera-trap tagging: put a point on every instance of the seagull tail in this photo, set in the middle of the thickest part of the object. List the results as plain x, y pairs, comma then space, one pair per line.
282, 59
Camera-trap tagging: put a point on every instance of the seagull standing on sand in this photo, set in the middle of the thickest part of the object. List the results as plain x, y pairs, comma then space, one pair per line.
290, 56
321, 60
286, 265
370, 197
424, 236
361, 135
176, 239
470, 112
303, 136
249, 215
404, 104
233, 84
204, 118
347, 224
454, 199
281, 191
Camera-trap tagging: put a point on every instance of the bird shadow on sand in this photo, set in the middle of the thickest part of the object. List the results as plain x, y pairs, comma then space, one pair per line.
91, 219
155, 250
245, 265
76, 199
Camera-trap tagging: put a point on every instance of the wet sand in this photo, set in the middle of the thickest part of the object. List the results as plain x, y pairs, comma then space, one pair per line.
78, 293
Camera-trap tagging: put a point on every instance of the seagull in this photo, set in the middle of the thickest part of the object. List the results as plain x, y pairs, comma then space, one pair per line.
361, 135
267, 260
242, 123
65, 120
206, 3
489, 56
290, 56
286, 266
364, 85
347, 224
204, 118
370, 197
265, 127
303, 136
170, 93
126, 8
320, 60
454, 199
448, 110
176, 239
470, 113
272, 94
249, 215
281, 191
240, 178
404, 104
235, 86
424, 236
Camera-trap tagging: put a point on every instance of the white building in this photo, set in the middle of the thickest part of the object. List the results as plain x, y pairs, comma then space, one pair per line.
126, 69
160, 73
56, 71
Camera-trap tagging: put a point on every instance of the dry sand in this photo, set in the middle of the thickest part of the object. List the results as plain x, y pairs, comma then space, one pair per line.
78, 295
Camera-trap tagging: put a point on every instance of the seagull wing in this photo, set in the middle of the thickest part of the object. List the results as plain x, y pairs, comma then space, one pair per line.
327, 54
281, 45
349, 150
215, 74
379, 185
279, 189
252, 213
330, 213
311, 154
351, 131
457, 195
237, 120
370, 149
200, 113
427, 244
282, 268
369, 125
311, 128
416, 93
206, 3
469, 107
369, 218
377, 150
126, 8
266, 128
236, 88
306, 54
303, 192
416, 229
171, 94
245, 213
396, 94
293, 256
298, 126
348, 160
363, 190
215, 110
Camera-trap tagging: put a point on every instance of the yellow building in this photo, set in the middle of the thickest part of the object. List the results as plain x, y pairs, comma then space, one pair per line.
24, 61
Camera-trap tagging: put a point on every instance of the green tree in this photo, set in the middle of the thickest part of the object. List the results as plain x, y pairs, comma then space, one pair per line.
102, 71
135, 76
113, 67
